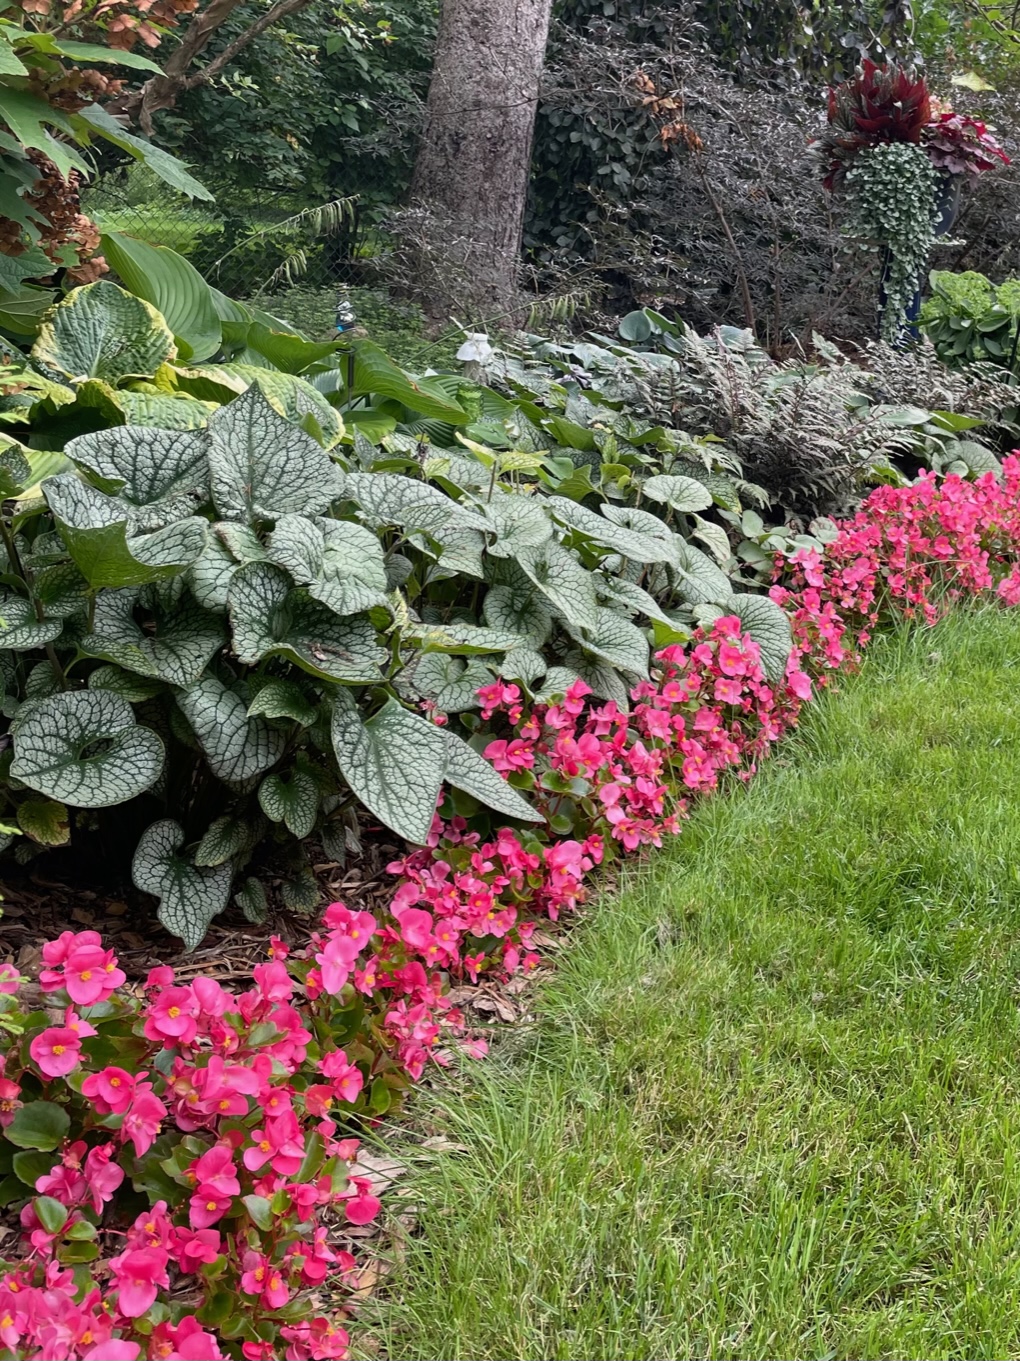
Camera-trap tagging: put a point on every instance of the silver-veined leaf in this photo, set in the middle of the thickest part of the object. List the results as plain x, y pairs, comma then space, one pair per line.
189, 897
682, 493
615, 640
237, 746
768, 625
293, 801
177, 650
100, 331
620, 538
162, 475
564, 581
342, 564
467, 769
20, 630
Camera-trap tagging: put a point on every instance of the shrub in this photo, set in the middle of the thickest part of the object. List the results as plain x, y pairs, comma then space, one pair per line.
970, 320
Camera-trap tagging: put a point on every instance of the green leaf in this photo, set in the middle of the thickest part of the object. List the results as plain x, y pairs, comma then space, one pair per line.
30, 1166
701, 580
288, 352
174, 287
96, 529
394, 763
30, 264
83, 747
174, 172
44, 821
524, 613
375, 374
38, 1124
464, 639
563, 580
269, 618
284, 699
262, 466
100, 331
628, 542
51, 1214
223, 839
176, 649
390, 499
342, 564
467, 769
519, 522
768, 625
714, 537
682, 493
259, 1211
125, 683
189, 897
302, 404
86, 54
635, 327
633, 597
251, 899
294, 802
616, 640
449, 682
300, 891
25, 115
166, 410
20, 630
236, 747
163, 475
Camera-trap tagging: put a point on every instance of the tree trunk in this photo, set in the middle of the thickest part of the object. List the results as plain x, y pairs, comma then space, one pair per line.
470, 181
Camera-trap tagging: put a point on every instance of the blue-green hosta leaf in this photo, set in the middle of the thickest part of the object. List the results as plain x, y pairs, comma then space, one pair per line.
682, 493
525, 613
342, 564
564, 581
391, 499
284, 699
768, 625
99, 536
701, 581
294, 801
394, 763
163, 475
237, 747
174, 287
262, 466
84, 748
20, 630
189, 897
100, 331
615, 640
375, 374
518, 522
628, 542
269, 618
467, 769
449, 682
464, 639
177, 650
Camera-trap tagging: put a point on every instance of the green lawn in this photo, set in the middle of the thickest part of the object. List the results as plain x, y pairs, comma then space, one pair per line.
770, 1104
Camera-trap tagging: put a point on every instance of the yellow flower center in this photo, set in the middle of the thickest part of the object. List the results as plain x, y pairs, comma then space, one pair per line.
174, 1012
115, 1082
59, 1048
210, 1205
260, 1271
8, 1322
85, 976
265, 1145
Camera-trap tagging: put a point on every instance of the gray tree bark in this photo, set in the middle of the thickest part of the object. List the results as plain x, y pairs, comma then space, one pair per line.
470, 180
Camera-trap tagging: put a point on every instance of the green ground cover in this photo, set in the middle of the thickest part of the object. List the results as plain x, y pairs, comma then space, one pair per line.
770, 1103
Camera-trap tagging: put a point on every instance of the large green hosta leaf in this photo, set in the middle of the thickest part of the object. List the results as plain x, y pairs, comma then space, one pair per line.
189, 897
162, 475
99, 535
237, 746
177, 650
375, 374
263, 467
100, 331
342, 564
564, 581
390, 499
396, 763
20, 630
84, 748
768, 625
269, 618
173, 286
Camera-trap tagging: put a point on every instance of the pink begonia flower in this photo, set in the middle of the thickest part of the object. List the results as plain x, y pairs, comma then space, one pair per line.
362, 1207
143, 1119
10, 979
193, 1248
57, 1051
116, 1349
187, 1342
111, 1090
91, 974
281, 1143
316, 1340
335, 962
261, 1278
171, 1016
799, 684
216, 1173
138, 1275
103, 1175
345, 1078
9, 1103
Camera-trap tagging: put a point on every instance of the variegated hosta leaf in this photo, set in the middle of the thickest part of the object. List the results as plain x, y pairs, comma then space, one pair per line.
519, 522
189, 897
465, 639
682, 493
163, 475
183, 642
564, 581
394, 763
20, 630
236, 747
84, 748
467, 769
628, 542
269, 618
100, 331
768, 625
262, 466
342, 564
390, 499
525, 613
615, 640
99, 536
284, 699
701, 581
294, 801
450, 683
